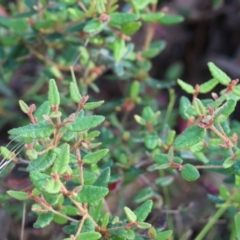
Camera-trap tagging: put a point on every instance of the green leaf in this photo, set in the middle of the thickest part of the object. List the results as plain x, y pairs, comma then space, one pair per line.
147, 113
123, 234
92, 105
223, 112
43, 220
100, 6
198, 106
208, 86
169, 19
7, 154
130, 214
140, 120
236, 90
185, 104
141, 4
143, 211
170, 137
143, 195
62, 160
130, 28
228, 162
19, 24
105, 219
161, 158
151, 140
34, 131
164, 181
89, 177
189, 137
52, 198
92, 135
43, 109
53, 186
74, 93
89, 236
43, 162
120, 18
83, 123
154, 49
32, 154
152, 17
93, 26
224, 193
218, 74
24, 107
118, 49
88, 194
215, 199
103, 179
18, 195
143, 225
164, 235
185, 86
236, 167
39, 180
134, 89
96, 211
53, 93
155, 167
94, 157
177, 160
189, 172
237, 224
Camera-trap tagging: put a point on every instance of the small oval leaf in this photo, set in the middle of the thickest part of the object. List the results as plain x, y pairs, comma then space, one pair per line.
189, 172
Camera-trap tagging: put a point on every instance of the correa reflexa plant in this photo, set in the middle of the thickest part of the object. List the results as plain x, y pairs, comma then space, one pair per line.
208, 139
68, 187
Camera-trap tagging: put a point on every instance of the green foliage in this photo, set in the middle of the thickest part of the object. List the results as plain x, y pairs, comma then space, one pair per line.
219, 74
18, 195
36, 131
83, 123
189, 172
189, 137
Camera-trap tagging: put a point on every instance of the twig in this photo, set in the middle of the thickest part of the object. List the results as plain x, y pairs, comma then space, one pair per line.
23, 220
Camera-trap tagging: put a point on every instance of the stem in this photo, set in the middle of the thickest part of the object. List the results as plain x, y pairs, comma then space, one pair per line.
80, 164
150, 31
168, 203
227, 141
23, 220
79, 55
212, 221
219, 134
149, 35
172, 99
81, 225
62, 215
81, 5
73, 76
